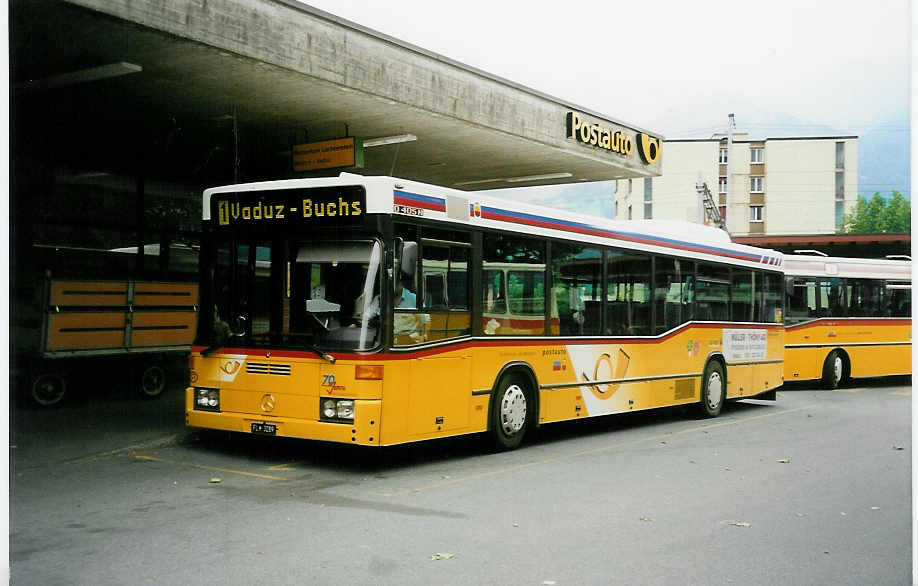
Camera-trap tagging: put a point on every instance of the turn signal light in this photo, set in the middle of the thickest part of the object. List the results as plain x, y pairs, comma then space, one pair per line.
368, 371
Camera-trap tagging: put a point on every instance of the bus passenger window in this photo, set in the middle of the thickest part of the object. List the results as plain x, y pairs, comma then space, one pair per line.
444, 266
576, 276
628, 294
743, 292
712, 293
831, 298
673, 293
521, 260
801, 299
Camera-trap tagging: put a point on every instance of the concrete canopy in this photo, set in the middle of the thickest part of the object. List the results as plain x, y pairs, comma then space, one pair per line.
207, 92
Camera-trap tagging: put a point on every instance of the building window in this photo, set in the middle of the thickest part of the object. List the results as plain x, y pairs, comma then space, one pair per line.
839, 185
839, 214
648, 210
755, 213
756, 184
629, 211
615, 213
839, 155
723, 213
722, 158
757, 155
722, 185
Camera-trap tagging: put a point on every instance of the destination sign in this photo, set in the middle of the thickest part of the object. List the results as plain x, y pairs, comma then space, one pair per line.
290, 207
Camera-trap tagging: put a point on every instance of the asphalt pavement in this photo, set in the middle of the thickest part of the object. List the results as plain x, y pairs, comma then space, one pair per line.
812, 489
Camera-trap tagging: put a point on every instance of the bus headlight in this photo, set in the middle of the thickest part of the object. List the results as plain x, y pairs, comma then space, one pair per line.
346, 410
336, 410
329, 409
206, 399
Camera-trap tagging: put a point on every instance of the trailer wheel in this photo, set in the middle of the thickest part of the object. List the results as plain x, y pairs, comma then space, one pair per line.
49, 389
152, 381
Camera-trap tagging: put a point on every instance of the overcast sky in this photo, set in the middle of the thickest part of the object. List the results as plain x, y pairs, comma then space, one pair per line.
675, 67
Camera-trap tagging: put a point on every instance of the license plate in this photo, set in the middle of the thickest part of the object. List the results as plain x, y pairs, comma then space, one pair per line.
264, 428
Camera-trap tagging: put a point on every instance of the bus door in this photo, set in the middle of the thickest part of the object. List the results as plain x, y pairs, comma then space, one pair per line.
440, 381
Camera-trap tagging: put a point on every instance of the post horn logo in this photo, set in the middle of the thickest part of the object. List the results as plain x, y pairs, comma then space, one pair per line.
648, 148
230, 366
268, 402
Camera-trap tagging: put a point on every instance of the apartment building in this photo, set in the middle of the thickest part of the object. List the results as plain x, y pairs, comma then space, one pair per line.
797, 185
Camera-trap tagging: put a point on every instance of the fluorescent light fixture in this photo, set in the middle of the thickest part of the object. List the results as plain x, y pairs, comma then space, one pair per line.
80, 76
517, 179
538, 177
480, 181
384, 140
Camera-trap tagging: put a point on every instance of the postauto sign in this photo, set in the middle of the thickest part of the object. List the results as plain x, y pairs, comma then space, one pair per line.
598, 136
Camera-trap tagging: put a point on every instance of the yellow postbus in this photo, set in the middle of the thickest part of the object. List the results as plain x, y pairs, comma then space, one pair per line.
847, 317
379, 311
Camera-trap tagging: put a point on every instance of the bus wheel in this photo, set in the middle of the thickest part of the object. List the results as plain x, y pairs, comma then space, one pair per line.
49, 389
713, 390
833, 370
152, 381
510, 412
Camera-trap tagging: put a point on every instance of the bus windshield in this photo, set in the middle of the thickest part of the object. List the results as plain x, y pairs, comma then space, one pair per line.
297, 294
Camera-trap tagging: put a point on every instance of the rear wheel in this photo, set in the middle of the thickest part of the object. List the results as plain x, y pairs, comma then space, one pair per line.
49, 389
713, 390
152, 381
510, 412
833, 370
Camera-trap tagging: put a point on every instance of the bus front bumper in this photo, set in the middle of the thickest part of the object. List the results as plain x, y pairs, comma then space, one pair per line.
363, 431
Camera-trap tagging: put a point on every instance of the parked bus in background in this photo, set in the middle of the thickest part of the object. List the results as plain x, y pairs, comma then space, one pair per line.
378, 311
847, 317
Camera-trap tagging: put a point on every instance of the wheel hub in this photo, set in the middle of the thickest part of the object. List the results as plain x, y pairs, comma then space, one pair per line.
513, 410
715, 390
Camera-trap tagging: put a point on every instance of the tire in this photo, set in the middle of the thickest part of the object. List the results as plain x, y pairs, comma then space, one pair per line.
511, 411
49, 389
152, 381
713, 390
833, 370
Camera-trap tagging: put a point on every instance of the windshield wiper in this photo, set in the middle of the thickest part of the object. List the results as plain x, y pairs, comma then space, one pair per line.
323, 355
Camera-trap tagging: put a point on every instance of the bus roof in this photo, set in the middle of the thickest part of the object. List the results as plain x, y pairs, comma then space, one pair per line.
799, 265
391, 195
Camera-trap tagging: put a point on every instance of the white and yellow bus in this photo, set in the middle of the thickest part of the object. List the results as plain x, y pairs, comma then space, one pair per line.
847, 318
378, 311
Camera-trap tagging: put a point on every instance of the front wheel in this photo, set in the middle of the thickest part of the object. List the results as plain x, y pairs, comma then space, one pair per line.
713, 390
510, 412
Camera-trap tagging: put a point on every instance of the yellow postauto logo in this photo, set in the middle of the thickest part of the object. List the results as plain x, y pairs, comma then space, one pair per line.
648, 148
598, 136
234, 212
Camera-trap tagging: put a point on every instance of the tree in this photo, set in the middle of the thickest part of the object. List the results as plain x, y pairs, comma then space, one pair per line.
879, 215
875, 208
856, 220
897, 216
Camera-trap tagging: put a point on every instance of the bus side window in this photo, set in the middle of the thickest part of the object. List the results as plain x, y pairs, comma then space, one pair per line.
831, 298
522, 261
495, 300
628, 296
576, 273
712, 293
444, 266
